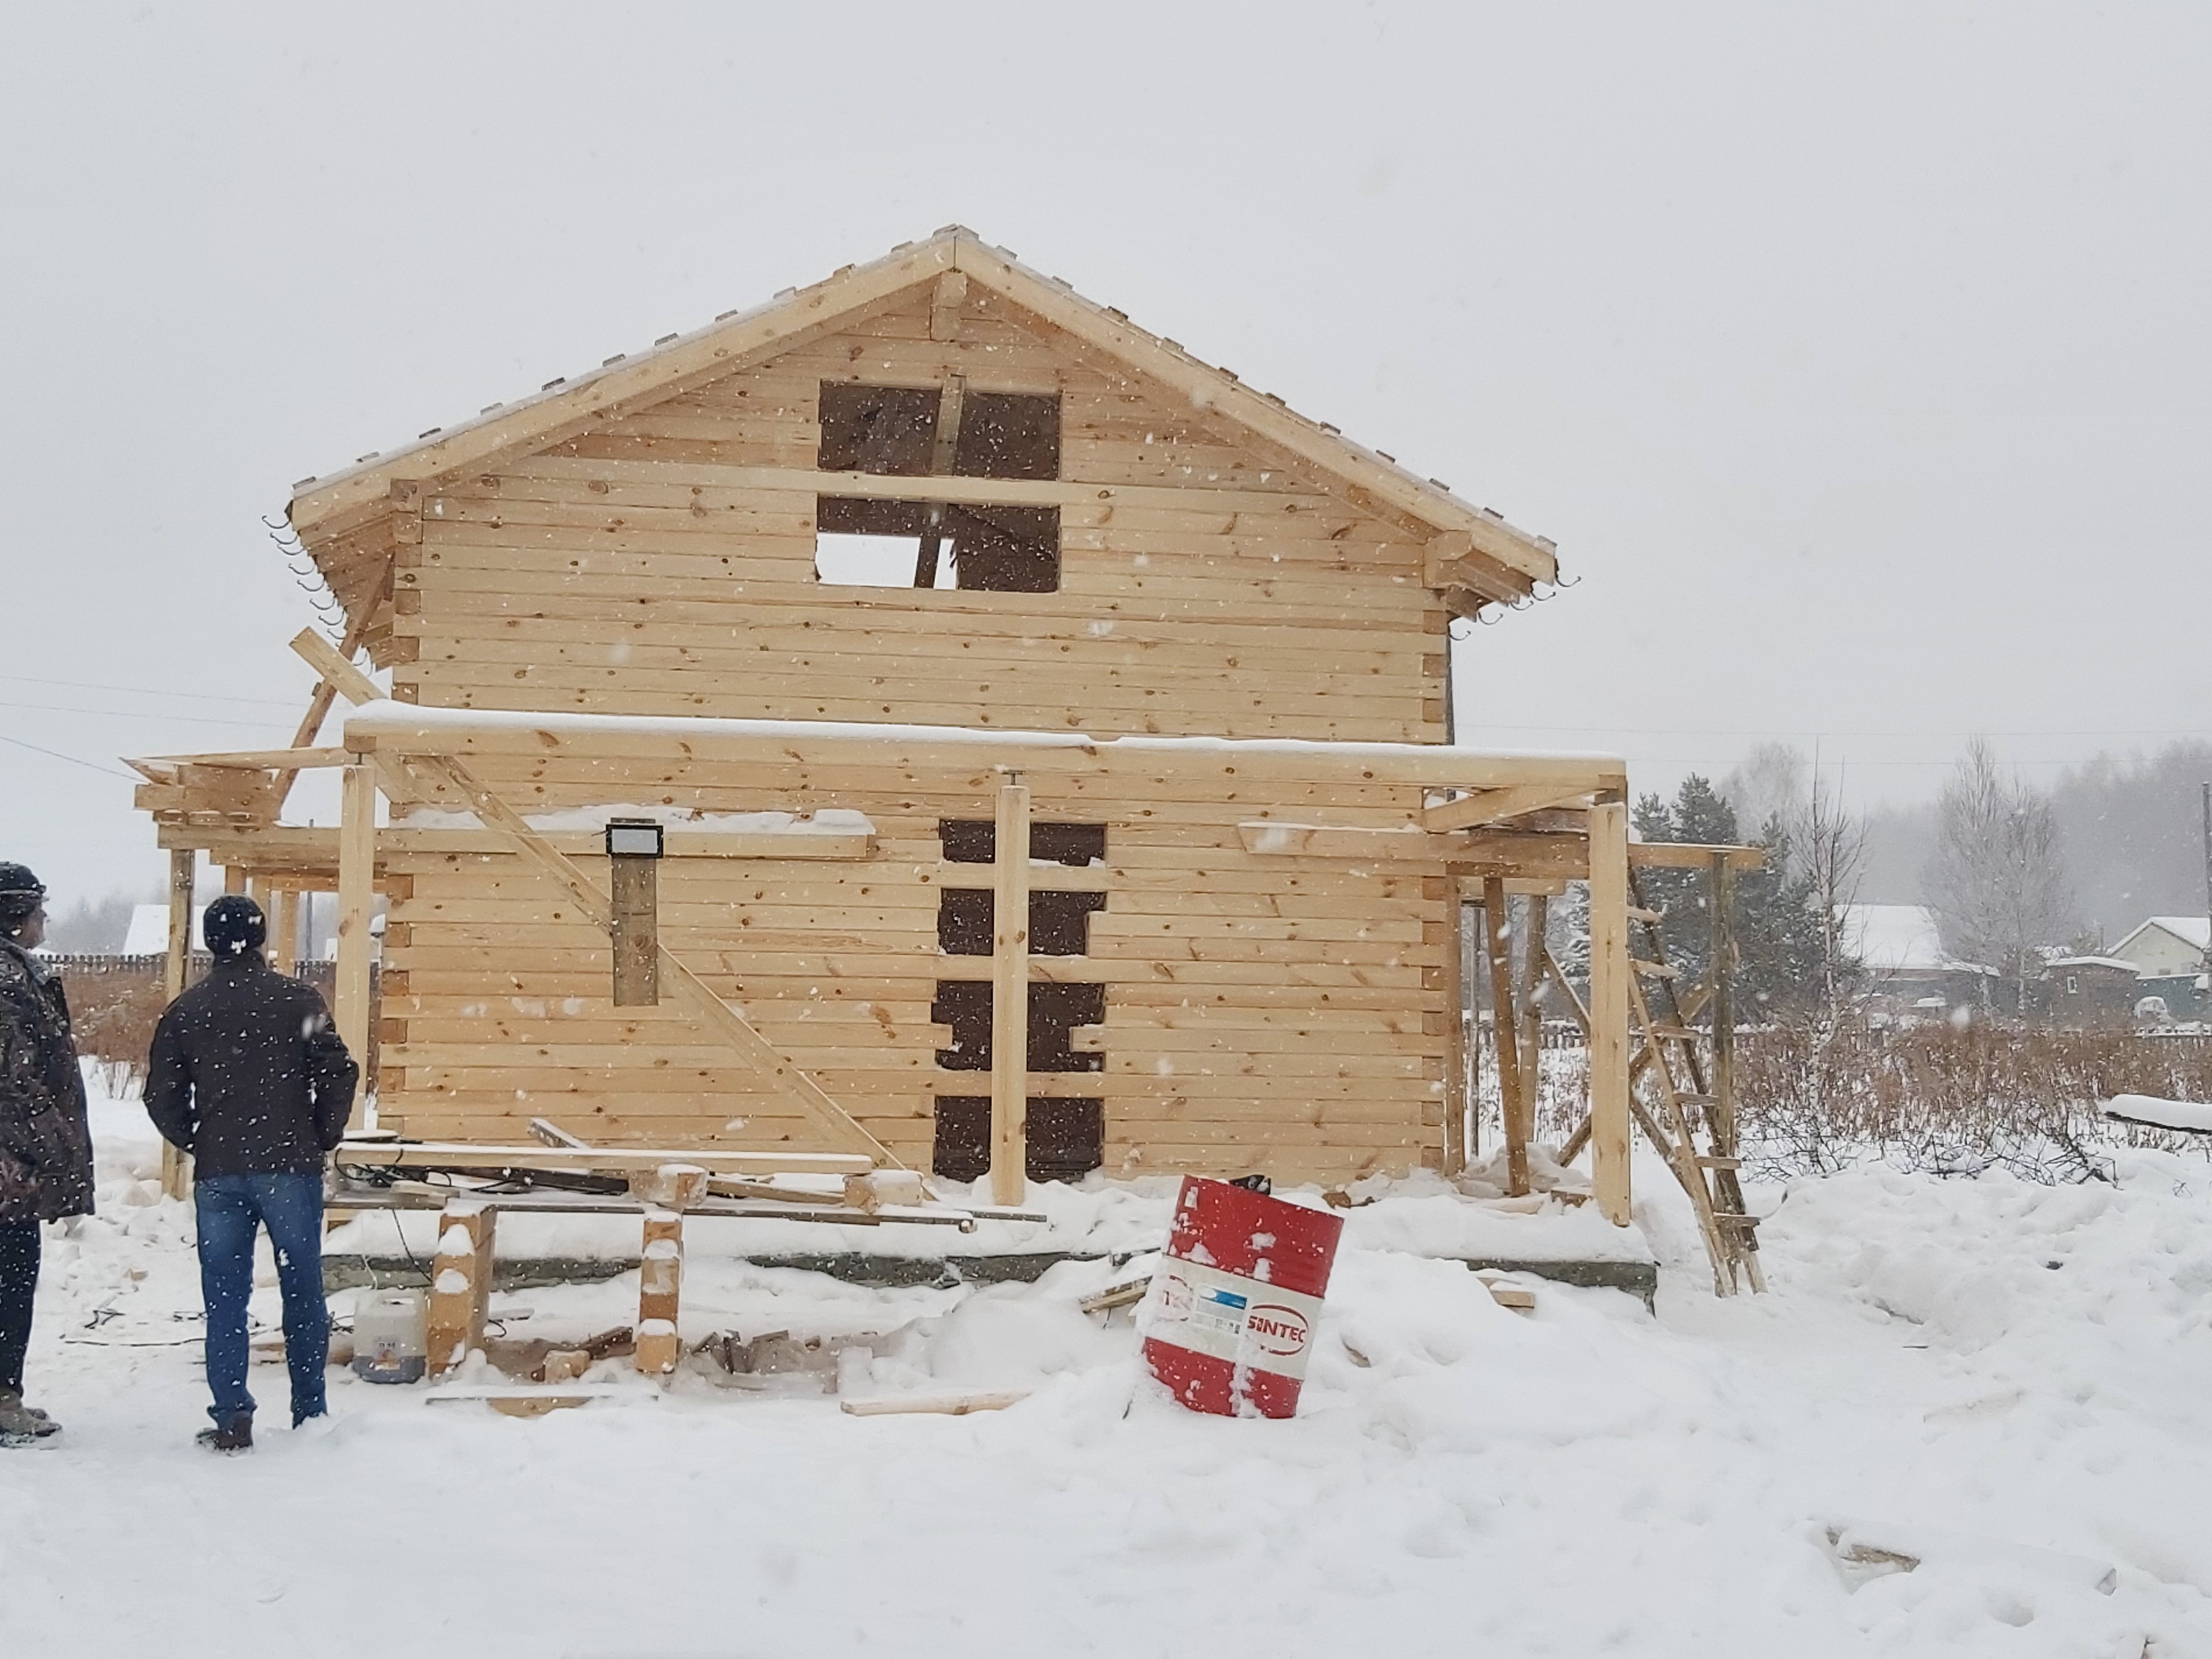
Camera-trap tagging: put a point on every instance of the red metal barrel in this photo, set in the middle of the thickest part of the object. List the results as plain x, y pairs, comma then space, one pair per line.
1233, 1307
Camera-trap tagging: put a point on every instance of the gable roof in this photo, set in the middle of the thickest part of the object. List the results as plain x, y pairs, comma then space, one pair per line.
2195, 932
337, 516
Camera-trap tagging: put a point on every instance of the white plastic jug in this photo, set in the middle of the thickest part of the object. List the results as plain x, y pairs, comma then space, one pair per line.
390, 1336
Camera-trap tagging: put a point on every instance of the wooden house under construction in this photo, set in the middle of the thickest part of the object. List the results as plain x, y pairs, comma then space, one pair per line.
929, 715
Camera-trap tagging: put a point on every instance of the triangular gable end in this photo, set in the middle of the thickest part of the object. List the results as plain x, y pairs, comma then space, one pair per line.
346, 520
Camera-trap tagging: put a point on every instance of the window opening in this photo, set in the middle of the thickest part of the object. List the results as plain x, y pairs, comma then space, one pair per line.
1054, 1012
1067, 1138
975, 841
1059, 923
948, 431
877, 428
1003, 550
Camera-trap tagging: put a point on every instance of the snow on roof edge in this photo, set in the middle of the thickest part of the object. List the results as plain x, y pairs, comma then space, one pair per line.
371, 719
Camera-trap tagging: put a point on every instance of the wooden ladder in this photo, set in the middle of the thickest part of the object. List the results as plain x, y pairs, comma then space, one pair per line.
1694, 1098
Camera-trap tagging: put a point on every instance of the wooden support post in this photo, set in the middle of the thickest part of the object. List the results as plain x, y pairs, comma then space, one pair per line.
176, 969
233, 879
1610, 975
183, 873
1720, 1116
284, 931
1535, 911
460, 1283
1456, 1089
634, 889
1010, 997
1506, 1034
659, 1292
356, 894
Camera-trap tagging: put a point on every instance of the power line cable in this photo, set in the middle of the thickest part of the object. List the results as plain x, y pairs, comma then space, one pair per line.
150, 691
56, 754
140, 715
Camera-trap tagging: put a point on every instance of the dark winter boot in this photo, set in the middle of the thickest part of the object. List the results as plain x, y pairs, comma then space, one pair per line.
235, 1436
21, 1425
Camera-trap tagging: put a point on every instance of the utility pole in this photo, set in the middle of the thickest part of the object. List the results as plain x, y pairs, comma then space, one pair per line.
2208, 878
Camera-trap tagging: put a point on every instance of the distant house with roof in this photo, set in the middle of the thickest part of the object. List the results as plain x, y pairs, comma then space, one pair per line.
2166, 945
2079, 990
149, 933
2168, 954
1908, 971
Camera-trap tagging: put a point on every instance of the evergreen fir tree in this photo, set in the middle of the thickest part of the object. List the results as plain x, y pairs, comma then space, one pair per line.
1777, 919
1777, 932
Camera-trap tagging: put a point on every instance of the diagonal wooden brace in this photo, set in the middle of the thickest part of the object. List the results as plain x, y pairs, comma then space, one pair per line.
717, 1016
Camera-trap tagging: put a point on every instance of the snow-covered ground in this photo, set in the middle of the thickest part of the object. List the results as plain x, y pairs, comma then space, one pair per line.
1981, 1373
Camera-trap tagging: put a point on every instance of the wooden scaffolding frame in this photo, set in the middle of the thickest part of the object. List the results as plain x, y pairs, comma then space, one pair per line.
1522, 821
1653, 1043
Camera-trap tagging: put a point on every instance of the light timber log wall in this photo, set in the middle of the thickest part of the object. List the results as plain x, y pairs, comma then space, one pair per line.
634, 569
1271, 1013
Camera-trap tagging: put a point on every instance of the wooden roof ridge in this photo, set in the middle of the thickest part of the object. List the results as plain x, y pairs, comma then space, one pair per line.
1468, 537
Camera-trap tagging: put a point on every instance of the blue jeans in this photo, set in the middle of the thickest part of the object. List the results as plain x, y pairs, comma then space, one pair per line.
230, 1208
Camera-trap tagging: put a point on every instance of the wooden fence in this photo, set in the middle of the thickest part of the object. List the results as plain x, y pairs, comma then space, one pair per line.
114, 1001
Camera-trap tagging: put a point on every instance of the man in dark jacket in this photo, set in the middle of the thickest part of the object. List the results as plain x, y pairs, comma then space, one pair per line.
248, 1076
46, 1145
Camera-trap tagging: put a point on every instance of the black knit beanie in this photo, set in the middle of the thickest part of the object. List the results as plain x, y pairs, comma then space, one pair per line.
233, 926
21, 893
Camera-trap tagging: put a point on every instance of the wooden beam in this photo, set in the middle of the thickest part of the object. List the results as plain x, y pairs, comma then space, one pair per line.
635, 884
659, 1292
338, 671
259, 760
945, 303
402, 729
1010, 997
460, 1284
940, 1405
1505, 1035
612, 1160
1548, 854
320, 699
291, 846
1488, 805
1691, 855
1535, 911
357, 898
284, 930
1324, 840
176, 969
941, 457
1455, 1056
1610, 987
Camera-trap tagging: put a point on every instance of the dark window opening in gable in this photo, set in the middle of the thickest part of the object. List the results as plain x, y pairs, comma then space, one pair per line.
1007, 435
863, 543
892, 430
975, 841
877, 428
938, 432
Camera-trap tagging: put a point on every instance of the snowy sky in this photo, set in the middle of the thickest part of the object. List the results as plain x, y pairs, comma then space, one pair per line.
1857, 359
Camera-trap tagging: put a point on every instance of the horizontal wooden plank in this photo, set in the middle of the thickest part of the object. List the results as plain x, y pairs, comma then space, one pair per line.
393, 728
